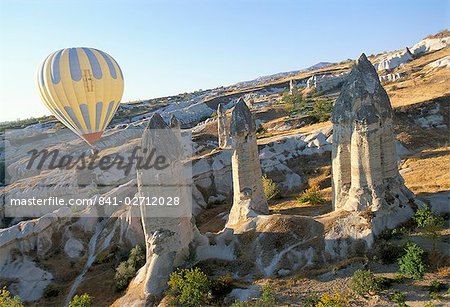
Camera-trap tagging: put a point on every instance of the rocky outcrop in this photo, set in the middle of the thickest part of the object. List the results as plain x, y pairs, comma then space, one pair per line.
168, 230
431, 44
393, 60
293, 87
324, 83
364, 159
248, 198
392, 77
175, 125
442, 62
222, 127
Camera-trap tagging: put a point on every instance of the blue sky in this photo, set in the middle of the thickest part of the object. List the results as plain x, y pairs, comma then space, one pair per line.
168, 47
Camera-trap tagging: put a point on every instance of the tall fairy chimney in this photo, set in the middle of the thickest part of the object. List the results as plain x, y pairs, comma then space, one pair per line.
364, 165
248, 192
222, 127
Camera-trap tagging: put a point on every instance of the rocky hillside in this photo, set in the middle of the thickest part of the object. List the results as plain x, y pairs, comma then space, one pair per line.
47, 259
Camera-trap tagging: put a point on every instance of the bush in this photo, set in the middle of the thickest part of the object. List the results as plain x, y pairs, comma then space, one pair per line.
310, 300
412, 264
127, 269
364, 282
270, 187
399, 298
312, 196
295, 102
9, 300
428, 221
267, 296
189, 286
321, 110
333, 300
84, 300
436, 286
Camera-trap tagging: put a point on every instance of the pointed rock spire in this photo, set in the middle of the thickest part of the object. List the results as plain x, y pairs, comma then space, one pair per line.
242, 119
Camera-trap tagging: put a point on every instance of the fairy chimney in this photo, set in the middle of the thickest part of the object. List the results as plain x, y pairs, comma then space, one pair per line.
175, 125
293, 87
168, 230
222, 127
248, 192
364, 165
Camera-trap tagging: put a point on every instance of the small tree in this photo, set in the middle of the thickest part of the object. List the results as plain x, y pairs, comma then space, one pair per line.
312, 196
364, 282
412, 264
270, 187
84, 300
429, 222
127, 269
189, 286
9, 300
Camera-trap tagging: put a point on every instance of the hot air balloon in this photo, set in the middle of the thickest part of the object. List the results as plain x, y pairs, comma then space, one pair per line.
82, 87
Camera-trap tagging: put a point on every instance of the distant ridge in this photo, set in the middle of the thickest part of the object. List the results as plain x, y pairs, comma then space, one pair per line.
267, 78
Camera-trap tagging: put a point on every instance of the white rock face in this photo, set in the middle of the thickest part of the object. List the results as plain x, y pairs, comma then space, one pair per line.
29, 280
73, 248
248, 198
326, 82
391, 77
442, 62
393, 60
430, 44
364, 159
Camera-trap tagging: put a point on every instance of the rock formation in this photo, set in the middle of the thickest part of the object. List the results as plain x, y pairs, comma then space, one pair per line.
293, 87
175, 125
393, 60
168, 230
326, 82
222, 127
365, 174
248, 191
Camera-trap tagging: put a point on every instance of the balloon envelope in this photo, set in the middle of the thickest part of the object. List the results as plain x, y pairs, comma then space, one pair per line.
82, 87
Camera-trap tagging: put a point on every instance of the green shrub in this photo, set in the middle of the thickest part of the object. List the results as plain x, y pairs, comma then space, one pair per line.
412, 264
399, 298
189, 286
333, 300
295, 102
321, 110
270, 187
9, 300
312, 196
436, 286
267, 297
310, 300
240, 304
429, 222
84, 300
127, 269
364, 282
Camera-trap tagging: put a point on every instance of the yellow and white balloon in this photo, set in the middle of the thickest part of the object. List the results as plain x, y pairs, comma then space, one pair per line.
82, 87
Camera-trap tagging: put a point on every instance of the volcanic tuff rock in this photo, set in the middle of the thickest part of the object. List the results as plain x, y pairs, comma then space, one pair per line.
365, 174
168, 230
393, 60
249, 198
222, 127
